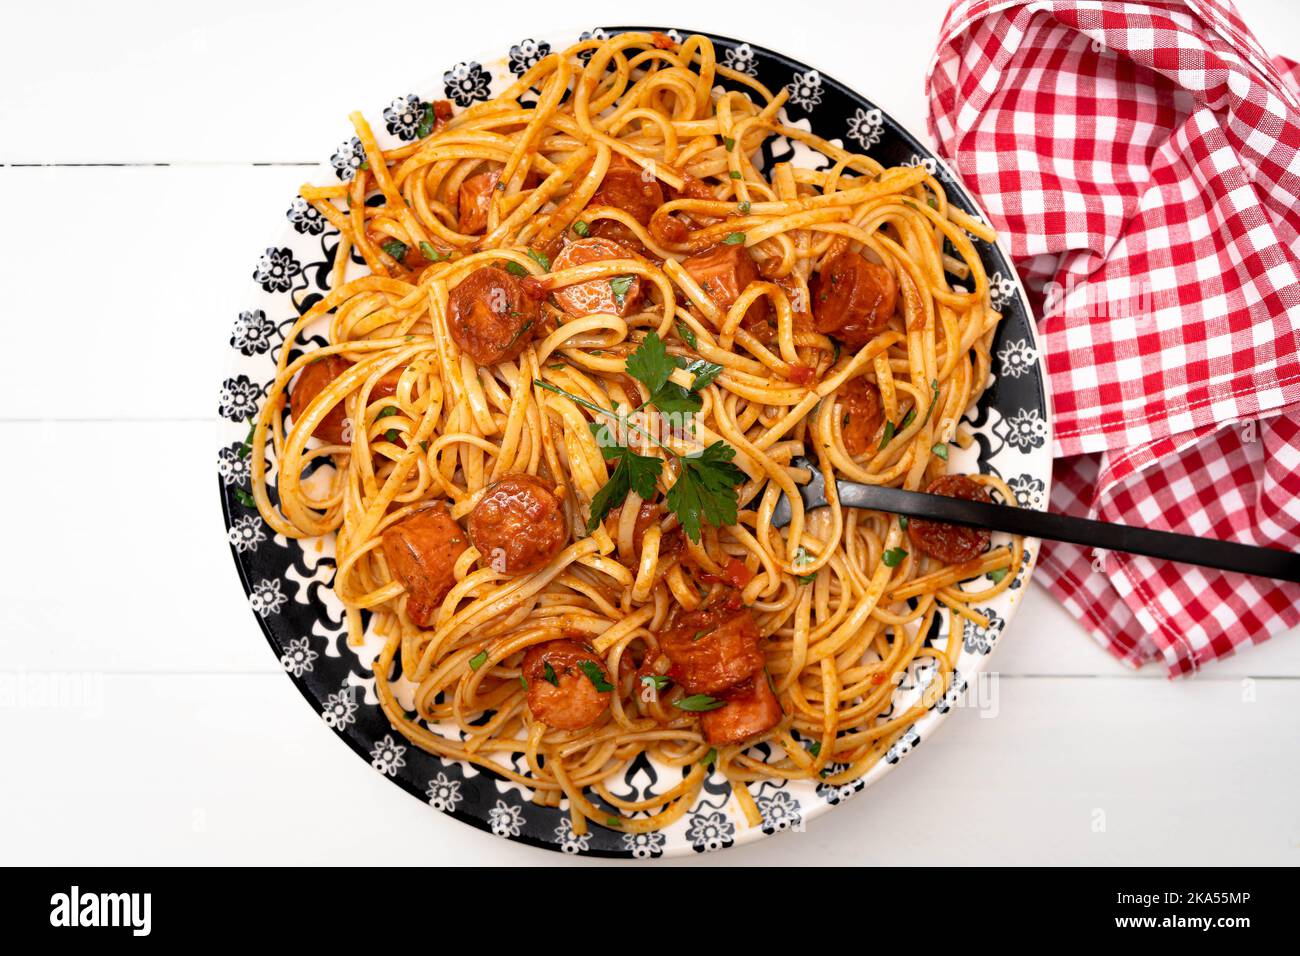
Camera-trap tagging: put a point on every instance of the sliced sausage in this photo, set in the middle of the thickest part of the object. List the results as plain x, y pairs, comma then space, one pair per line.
564, 684
311, 381
475, 200
628, 187
951, 543
853, 298
518, 525
861, 414
713, 648
616, 294
724, 272
492, 315
421, 551
750, 709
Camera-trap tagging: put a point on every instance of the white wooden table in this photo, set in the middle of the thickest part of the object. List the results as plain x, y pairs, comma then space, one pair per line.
148, 154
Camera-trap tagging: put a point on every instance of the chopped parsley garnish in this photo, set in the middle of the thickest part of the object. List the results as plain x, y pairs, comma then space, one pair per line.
744, 208
734, 174
426, 122
392, 435
687, 334
657, 681
902, 522
582, 229
515, 269
247, 447
698, 703
595, 675
523, 682
395, 248
478, 660
540, 258
548, 674
887, 437
620, 286
385, 412
734, 238
728, 142
432, 254
709, 757
815, 748
997, 575
893, 557
940, 450
612, 822
245, 499
706, 481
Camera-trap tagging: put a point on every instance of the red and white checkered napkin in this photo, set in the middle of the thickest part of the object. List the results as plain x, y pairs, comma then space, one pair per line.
1142, 161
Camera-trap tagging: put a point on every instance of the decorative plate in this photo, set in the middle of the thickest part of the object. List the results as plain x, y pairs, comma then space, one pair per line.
288, 586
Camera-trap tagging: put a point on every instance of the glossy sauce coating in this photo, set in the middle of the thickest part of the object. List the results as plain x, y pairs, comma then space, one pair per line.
596, 295
853, 298
713, 648
565, 696
750, 709
311, 381
475, 200
518, 525
628, 187
861, 415
421, 551
724, 272
951, 543
492, 315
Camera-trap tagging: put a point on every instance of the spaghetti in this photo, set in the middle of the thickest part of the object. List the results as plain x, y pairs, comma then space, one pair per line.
549, 429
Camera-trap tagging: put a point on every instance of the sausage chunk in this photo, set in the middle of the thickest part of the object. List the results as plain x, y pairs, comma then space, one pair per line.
724, 272
713, 648
491, 315
313, 380
565, 681
951, 543
853, 298
860, 415
628, 187
620, 295
518, 525
475, 199
421, 551
750, 709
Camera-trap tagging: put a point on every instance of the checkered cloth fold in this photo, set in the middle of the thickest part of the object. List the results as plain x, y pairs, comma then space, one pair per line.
1142, 163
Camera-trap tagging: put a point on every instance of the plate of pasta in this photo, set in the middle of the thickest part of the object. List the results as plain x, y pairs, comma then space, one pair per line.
515, 394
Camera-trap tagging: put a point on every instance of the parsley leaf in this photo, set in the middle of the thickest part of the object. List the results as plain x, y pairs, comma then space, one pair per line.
426, 122
478, 660
650, 364
706, 488
515, 269
729, 143
735, 174
595, 675
540, 258
582, 229
734, 238
687, 334
743, 208
997, 575
633, 472
432, 254
245, 499
548, 675
657, 681
704, 372
709, 757
940, 450
893, 557
620, 287
395, 248
699, 702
